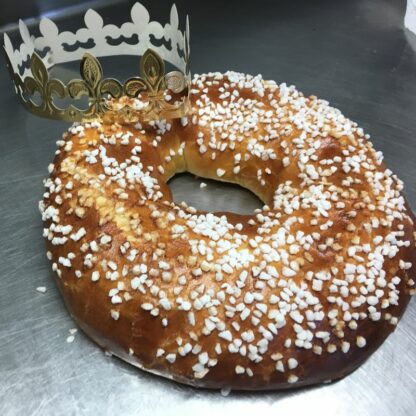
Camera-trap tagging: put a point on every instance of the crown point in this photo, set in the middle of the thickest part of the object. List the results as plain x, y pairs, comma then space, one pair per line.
7, 44
93, 20
139, 15
174, 19
24, 32
48, 28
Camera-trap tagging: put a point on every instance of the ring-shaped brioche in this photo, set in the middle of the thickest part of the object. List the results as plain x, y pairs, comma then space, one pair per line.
300, 292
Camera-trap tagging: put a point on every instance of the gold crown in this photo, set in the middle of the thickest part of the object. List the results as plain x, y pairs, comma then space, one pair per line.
153, 87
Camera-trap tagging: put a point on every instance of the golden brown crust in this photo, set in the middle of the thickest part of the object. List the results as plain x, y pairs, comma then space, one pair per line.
298, 293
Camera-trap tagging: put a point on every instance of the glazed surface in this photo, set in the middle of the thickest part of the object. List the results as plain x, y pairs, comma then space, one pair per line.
300, 292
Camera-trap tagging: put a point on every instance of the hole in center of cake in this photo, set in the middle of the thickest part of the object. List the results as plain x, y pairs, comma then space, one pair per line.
213, 196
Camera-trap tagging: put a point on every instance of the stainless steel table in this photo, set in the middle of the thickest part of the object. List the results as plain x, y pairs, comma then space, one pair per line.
355, 54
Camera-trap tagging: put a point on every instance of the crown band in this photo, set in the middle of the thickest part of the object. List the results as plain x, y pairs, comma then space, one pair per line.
152, 87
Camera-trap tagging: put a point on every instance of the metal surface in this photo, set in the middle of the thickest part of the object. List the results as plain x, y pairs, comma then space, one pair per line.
353, 53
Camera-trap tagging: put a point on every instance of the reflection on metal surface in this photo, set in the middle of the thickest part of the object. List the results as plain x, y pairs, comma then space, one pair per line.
215, 197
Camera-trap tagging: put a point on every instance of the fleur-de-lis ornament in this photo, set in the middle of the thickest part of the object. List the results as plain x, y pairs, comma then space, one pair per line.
93, 85
153, 82
41, 84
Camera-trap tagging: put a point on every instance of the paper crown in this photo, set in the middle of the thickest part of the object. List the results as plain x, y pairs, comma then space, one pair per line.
29, 65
